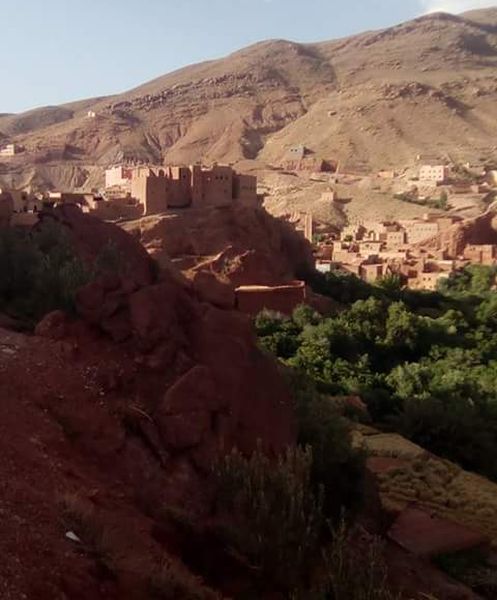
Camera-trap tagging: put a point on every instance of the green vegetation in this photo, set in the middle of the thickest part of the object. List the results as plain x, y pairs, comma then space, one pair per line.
39, 273
440, 203
473, 569
474, 279
277, 518
424, 363
277, 523
336, 469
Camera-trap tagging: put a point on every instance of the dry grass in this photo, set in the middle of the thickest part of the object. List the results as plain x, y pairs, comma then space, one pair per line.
389, 445
433, 483
357, 571
446, 490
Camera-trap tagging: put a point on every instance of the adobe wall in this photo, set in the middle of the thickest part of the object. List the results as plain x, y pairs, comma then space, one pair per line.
217, 187
421, 231
482, 254
196, 180
117, 176
179, 188
151, 192
245, 189
253, 299
112, 212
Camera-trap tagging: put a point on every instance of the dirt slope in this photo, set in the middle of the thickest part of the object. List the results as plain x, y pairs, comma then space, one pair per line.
372, 100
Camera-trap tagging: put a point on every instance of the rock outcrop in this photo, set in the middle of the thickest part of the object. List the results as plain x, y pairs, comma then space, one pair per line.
161, 319
240, 245
114, 416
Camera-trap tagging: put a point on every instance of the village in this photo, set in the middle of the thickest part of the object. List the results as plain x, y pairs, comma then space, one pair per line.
423, 250
370, 250
135, 191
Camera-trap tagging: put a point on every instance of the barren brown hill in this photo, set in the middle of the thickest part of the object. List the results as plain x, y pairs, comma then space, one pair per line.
373, 100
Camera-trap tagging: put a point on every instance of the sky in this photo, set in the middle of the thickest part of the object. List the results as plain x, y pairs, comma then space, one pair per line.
56, 51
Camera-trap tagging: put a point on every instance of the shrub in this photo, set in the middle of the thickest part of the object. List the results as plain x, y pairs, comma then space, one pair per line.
40, 272
276, 517
356, 569
336, 467
472, 568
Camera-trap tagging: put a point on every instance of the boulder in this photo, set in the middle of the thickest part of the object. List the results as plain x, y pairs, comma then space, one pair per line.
161, 312
185, 430
211, 289
197, 371
427, 535
196, 390
53, 326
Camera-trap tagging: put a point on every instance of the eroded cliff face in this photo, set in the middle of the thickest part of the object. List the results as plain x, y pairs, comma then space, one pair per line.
240, 245
118, 414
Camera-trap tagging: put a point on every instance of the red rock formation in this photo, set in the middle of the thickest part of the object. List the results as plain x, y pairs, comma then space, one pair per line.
427, 535
244, 245
193, 345
123, 409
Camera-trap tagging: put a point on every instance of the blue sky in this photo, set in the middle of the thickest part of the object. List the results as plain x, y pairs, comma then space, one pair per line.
55, 51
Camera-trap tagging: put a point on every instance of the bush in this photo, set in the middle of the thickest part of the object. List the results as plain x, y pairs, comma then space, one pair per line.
356, 569
336, 467
424, 364
275, 515
472, 568
40, 273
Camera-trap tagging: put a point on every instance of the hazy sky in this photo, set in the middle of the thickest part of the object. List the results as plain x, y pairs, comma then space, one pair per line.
55, 51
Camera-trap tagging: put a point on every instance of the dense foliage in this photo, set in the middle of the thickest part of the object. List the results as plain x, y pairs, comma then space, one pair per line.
39, 272
425, 363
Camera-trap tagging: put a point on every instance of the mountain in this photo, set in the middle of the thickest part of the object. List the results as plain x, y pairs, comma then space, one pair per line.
374, 100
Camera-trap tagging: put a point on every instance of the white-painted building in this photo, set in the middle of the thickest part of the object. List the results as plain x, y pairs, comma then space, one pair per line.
118, 176
9, 150
434, 173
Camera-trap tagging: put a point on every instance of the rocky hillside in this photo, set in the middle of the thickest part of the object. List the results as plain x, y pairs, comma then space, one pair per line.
372, 100
118, 416
239, 245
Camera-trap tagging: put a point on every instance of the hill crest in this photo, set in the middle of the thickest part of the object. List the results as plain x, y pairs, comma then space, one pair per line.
377, 99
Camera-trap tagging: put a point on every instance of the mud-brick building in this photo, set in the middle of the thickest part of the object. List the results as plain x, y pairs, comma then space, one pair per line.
160, 189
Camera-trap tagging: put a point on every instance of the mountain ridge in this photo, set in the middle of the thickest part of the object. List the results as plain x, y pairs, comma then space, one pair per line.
376, 99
